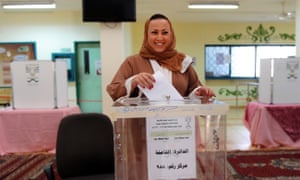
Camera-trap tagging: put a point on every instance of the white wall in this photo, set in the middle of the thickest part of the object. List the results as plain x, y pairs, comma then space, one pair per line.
57, 32
51, 31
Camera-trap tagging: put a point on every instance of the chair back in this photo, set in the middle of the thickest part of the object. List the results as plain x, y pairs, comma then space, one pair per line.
85, 145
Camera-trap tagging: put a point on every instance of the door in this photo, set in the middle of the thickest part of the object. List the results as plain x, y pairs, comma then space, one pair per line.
88, 76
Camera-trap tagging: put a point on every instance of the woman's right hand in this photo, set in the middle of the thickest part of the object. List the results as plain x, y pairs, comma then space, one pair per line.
145, 80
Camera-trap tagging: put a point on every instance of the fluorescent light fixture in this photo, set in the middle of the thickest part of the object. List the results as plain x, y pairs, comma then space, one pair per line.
28, 5
213, 5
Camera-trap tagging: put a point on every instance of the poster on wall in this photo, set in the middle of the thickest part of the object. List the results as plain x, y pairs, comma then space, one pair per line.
10, 52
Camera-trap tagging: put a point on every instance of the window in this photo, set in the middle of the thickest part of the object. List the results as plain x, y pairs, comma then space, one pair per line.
69, 58
241, 61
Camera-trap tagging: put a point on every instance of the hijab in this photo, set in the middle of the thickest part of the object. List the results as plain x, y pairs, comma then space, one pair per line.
170, 58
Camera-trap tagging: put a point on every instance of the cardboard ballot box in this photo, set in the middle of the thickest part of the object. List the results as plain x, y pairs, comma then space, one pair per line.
39, 84
279, 80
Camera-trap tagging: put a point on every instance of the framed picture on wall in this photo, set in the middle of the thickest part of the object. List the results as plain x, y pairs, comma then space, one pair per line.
69, 58
14, 51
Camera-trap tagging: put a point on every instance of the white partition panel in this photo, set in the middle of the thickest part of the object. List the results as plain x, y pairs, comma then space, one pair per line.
61, 85
37, 84
279, 80
265, 81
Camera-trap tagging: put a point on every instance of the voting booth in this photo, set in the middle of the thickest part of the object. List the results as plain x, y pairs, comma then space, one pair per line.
279, 80
184, 139
39, 84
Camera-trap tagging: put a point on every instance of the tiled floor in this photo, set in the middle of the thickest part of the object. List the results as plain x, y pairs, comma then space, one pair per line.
238, 137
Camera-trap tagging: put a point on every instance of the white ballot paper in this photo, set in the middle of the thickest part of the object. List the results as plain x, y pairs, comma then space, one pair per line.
162, 89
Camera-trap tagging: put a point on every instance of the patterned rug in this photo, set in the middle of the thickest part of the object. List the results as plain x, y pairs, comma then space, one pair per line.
264, 165
241, 165
24, 167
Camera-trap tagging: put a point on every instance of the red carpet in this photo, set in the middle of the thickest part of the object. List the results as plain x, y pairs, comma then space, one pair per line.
264, 164
18, 167
254, 165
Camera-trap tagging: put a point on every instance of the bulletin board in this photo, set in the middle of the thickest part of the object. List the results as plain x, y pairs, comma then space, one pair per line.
14, 51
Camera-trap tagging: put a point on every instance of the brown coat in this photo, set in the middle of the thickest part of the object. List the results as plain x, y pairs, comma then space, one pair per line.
184, 82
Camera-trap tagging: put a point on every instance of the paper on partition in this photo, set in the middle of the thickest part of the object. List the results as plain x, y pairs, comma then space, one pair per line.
162, 89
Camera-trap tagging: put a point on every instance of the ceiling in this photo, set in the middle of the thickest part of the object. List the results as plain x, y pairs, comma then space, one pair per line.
249, 11
176, 10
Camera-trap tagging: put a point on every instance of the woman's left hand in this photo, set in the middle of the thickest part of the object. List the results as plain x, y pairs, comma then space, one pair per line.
205, 92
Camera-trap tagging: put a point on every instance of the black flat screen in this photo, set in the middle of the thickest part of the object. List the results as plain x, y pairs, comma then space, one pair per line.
109, 10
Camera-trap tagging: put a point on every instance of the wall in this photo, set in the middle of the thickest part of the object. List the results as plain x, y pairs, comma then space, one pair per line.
57, 31
192, 37
51, 31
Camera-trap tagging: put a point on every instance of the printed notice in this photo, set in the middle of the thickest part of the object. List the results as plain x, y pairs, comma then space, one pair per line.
171, 148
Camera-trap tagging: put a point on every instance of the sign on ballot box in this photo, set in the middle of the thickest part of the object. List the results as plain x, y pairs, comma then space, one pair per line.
39, 84
279, 80
171, 147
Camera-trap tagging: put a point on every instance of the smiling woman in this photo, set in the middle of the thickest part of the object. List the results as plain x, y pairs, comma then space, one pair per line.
157, 53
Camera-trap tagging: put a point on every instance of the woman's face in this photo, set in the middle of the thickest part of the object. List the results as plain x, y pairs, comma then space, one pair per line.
159, 34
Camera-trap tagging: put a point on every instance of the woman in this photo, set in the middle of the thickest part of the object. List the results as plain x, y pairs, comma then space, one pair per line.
157, 53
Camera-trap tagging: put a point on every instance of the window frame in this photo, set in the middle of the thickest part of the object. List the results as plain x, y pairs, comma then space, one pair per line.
229, 77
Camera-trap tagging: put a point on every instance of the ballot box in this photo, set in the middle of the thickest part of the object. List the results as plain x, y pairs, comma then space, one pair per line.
39, 84
184, 139
279, 80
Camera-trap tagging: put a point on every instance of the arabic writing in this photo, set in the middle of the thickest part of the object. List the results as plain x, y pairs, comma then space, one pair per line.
170, 152
216, 139
150, 109
172, 166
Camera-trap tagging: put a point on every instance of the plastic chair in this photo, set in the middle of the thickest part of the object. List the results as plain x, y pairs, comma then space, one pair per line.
84, 148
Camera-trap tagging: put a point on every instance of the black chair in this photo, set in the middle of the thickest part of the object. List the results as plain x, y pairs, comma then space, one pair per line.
84, 148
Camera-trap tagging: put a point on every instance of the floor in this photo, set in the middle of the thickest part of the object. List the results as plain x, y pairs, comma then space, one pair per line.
238, 137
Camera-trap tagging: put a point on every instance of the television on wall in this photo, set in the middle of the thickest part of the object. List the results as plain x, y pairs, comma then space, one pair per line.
109, 10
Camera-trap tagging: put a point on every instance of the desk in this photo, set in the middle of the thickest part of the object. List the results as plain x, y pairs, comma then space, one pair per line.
273, 125
30, 130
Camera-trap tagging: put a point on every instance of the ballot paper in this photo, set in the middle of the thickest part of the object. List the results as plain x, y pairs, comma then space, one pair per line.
162, 89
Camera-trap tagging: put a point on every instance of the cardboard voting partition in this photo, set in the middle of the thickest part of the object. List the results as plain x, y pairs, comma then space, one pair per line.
39, 84
279, 80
